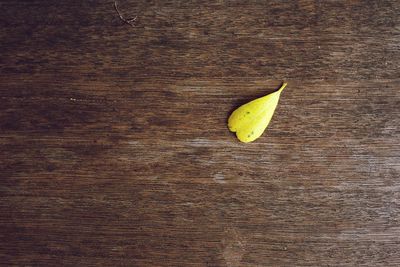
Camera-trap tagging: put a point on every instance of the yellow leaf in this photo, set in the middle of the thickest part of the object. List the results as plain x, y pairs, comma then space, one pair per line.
250, 120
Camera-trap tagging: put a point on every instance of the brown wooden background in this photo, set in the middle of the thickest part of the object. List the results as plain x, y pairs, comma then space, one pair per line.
114, 148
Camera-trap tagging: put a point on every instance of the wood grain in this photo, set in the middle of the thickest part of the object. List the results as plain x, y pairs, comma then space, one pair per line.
114, 149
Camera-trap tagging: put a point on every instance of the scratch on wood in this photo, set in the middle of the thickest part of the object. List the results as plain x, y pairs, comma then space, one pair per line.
130, 21
234, 248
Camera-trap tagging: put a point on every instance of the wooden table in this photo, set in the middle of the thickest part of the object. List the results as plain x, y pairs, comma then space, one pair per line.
114, 148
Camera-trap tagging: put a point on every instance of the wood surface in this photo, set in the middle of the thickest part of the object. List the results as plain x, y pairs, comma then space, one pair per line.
114, 149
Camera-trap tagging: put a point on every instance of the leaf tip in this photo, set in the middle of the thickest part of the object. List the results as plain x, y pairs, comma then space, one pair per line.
282, 87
